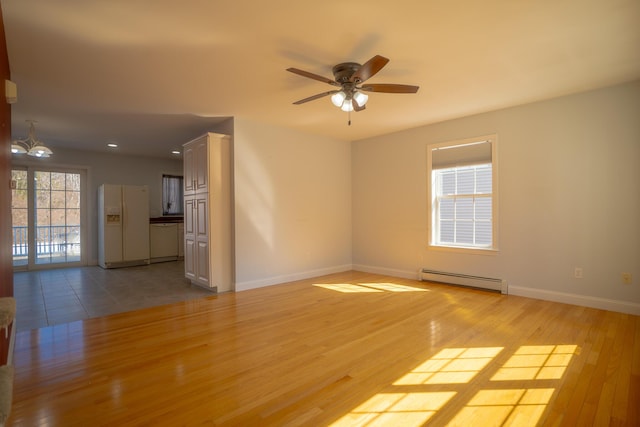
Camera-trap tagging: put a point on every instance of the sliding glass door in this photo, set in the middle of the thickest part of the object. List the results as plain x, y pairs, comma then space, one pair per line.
47, 217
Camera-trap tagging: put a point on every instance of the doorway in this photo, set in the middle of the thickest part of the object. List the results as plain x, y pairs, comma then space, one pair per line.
47, 217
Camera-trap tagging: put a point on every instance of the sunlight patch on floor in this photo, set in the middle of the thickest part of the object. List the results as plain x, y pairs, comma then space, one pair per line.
396, 409
369, 287
452, 368
512, 407
393, 287
540, 362
345, 287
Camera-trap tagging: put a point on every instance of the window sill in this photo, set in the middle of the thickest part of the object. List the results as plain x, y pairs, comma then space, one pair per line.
463, 250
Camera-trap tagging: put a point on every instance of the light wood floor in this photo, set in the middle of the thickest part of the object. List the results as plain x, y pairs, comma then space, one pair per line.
345, 349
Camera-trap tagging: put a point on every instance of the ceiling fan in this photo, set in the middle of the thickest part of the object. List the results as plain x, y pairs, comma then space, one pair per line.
350, 77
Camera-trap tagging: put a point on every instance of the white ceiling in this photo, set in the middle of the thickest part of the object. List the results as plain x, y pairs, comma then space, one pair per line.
159, 73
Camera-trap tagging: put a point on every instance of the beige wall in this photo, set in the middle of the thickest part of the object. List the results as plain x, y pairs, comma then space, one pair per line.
292, 204
569, 182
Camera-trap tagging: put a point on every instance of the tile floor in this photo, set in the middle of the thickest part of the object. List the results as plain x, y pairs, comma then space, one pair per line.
51, 297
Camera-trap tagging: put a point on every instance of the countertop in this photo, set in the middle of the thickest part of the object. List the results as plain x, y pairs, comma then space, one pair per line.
165, 219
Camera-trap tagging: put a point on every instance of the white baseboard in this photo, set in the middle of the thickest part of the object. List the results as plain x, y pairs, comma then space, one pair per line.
585, 301
414, 275
254, 284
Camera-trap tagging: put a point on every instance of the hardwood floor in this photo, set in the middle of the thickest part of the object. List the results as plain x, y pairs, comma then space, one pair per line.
346, 349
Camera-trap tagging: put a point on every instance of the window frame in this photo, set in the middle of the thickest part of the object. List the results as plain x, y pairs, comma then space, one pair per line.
432, 219
181, 195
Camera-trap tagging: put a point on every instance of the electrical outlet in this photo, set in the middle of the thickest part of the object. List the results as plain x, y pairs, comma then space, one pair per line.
626, 278
577, 272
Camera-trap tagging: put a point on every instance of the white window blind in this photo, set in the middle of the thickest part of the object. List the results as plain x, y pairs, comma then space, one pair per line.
463, 206
461, 155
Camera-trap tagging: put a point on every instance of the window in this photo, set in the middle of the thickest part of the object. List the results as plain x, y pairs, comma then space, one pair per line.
463, 194
172, 195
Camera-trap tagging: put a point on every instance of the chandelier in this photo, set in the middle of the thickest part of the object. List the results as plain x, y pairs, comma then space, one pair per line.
30, 145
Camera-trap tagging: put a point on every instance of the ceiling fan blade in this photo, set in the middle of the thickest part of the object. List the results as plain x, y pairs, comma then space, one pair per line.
389, 88
311, 98
369, 68
312, 76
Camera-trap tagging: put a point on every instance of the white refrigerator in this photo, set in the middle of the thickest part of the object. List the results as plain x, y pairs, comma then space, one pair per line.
123, 225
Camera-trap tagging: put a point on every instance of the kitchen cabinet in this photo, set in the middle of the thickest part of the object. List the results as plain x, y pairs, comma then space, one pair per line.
196, 177
208, 251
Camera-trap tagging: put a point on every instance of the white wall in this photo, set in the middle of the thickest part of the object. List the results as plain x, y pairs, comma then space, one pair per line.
292, 204
110, 169
569, 183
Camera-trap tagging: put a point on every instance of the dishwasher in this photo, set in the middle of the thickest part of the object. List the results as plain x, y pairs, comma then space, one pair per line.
163, 241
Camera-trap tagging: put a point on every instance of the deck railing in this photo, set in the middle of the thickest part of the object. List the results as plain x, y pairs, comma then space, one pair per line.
50, 240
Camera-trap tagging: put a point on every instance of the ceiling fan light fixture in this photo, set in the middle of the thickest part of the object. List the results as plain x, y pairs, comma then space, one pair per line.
347, 105
338, 98
360, 98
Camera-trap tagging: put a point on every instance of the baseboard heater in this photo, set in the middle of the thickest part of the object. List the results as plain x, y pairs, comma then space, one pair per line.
496, 285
